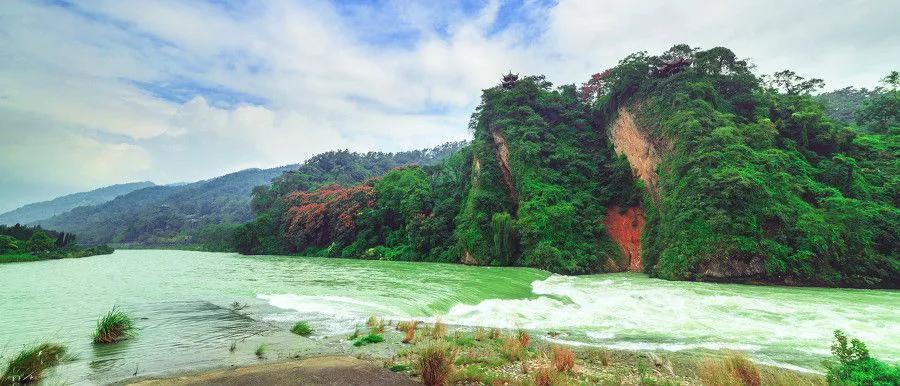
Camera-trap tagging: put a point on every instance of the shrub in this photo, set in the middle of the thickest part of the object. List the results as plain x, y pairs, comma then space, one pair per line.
29, 365
368, 339
512, 349
302, 328
261, 351
113, 327
435, 363
563, 358
855, 367
356, 333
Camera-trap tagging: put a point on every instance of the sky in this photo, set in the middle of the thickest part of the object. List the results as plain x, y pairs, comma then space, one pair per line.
94, 93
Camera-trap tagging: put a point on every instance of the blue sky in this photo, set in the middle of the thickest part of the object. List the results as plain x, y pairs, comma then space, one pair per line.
104, 91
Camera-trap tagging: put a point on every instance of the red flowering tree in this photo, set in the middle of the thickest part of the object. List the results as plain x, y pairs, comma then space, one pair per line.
327, 214
597, 83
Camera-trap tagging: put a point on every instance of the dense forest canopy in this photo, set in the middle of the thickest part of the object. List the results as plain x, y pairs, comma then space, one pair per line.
755, 181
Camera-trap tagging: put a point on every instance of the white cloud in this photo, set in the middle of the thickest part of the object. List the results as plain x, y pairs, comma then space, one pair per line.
309, 77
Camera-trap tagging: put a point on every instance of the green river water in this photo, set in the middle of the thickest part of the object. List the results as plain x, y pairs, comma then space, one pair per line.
182, 304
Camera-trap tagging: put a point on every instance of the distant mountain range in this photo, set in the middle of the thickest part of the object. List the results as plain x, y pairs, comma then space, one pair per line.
164, 215
46, 209
172, 215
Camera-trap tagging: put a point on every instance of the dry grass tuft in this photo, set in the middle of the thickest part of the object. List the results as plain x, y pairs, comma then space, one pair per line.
524, 338
406, 325
439, 330
563, 359
734, 370
435, 363
375, 324
480, 334
410, 333
604, 358
545, 375
512, 349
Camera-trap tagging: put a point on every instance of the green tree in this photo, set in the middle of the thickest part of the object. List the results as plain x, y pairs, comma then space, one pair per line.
8, 244
40, 242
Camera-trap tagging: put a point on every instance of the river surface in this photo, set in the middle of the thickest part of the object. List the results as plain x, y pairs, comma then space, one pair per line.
182, 303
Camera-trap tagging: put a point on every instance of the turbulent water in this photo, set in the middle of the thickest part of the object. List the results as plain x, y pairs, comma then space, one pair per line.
182, 301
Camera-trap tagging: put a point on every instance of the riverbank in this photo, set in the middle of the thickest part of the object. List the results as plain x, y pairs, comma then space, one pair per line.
331, 370
467, 356
190, 308
69, 253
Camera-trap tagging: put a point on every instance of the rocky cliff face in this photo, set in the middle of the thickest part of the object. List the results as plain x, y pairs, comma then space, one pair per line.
624, 226
635, 144
502, 152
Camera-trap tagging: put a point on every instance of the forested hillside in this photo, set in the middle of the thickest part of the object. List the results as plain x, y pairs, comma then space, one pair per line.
204, 213
46, 209
723, 174
164, 215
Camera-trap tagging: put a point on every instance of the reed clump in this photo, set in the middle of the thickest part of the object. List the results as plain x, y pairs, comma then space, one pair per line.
116, 325
29, 365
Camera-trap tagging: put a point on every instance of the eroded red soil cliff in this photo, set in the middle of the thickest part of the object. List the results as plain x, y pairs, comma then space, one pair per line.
624, 227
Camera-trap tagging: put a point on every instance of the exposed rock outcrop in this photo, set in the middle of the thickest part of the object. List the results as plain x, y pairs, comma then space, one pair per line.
734, 268
502, 151
635, 144
624, 228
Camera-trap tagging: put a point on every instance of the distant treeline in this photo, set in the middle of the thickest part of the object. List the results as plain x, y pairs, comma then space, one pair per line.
23, 243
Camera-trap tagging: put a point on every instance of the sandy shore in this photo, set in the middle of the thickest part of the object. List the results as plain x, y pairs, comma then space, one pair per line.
331, 370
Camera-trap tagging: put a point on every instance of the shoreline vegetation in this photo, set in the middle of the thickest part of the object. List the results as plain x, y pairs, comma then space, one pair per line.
23, 244
385, 352
437, 354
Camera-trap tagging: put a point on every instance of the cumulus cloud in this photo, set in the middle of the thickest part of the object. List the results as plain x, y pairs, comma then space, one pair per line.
177, 91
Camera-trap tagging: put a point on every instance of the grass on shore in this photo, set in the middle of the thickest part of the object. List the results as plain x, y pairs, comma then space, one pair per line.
29, 365
368, 339
18, 258
116, 325
302, 328
495, 357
